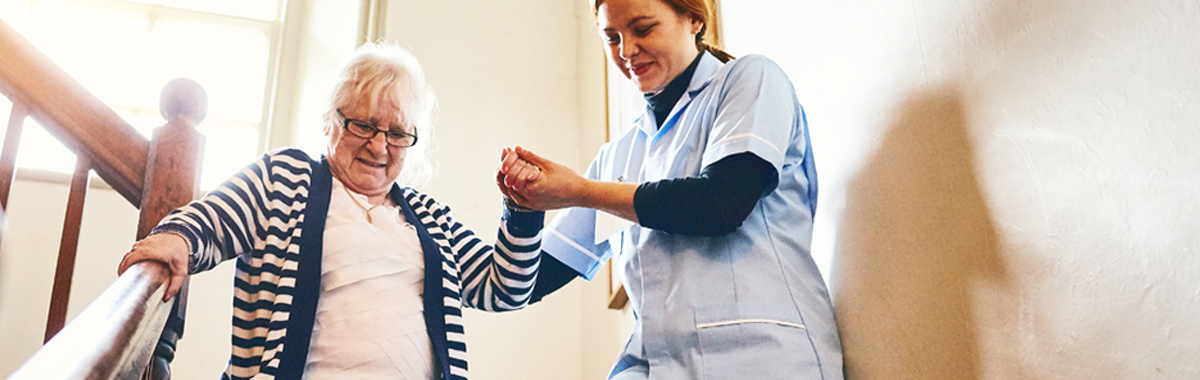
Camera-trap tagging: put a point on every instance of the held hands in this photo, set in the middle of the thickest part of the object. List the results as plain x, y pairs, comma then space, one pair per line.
167, 248
535, 182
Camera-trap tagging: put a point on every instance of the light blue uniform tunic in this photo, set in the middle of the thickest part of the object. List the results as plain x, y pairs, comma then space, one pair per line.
747, 305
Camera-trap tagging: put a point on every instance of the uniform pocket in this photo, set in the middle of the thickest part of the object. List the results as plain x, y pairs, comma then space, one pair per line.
749, 341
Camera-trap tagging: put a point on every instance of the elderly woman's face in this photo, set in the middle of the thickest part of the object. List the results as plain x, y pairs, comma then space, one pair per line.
365, 166
647, 40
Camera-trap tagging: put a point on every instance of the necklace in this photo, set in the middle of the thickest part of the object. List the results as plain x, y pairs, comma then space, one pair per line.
359, 204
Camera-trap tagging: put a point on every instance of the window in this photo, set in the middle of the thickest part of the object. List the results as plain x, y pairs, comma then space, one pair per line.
124, 51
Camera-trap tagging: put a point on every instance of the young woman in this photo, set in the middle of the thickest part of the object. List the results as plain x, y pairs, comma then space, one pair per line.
717, 183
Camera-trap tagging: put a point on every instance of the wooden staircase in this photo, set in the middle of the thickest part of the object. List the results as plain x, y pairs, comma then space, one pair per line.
128, 331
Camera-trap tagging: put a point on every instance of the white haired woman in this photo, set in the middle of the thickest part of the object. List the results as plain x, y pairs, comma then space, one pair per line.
341, 272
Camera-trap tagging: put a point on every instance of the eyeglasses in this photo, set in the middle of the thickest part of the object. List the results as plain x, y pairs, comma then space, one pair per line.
368, 131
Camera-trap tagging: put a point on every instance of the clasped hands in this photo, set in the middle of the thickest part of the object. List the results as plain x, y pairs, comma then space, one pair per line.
535, 182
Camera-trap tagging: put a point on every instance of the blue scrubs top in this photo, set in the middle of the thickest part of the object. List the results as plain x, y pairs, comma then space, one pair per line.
747, 305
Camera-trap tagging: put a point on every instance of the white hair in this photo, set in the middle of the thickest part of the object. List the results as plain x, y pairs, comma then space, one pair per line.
386, 75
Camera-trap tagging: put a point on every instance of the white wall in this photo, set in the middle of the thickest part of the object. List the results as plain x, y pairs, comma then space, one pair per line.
1009, 187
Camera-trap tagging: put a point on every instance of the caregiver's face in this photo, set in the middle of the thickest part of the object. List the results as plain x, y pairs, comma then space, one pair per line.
647, 40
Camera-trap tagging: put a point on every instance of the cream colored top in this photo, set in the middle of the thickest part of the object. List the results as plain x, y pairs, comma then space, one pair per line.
369, 322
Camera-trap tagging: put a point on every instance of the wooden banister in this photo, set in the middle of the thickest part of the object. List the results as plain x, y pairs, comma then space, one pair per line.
174, 150
8, 156
73, 115
117, 334
67, 247
171, 182
113, 337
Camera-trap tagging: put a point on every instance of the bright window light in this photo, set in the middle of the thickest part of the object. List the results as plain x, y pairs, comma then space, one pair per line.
265, 10
124, 52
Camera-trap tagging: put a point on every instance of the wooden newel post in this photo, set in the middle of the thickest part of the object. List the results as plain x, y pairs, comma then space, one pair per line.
174, 159
172, 180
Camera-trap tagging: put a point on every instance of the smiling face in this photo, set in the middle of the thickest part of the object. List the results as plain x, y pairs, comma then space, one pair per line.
366, 166
647, 40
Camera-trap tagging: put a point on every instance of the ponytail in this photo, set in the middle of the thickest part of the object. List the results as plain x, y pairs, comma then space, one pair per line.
716, 52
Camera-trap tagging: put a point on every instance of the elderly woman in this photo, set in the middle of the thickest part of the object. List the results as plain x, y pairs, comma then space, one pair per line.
341, 272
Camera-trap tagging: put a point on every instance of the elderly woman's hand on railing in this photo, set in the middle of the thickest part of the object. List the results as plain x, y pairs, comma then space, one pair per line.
170, 249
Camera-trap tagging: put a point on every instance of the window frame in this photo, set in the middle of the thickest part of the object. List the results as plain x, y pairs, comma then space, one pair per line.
276, 73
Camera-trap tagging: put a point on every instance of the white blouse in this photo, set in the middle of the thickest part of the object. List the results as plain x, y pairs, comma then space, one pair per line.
369, 322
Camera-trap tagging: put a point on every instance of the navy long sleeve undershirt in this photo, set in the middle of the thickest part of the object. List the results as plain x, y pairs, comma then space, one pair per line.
714, 204
552, 275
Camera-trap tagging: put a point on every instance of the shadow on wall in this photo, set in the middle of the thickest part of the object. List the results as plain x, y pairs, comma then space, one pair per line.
915, 235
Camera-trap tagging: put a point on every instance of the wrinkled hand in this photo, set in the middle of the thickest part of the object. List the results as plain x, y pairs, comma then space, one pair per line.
521, 172
514, 172
553, 186
166, 248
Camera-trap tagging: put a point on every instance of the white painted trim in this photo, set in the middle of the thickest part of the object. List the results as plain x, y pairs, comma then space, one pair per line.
745, 135
572, 243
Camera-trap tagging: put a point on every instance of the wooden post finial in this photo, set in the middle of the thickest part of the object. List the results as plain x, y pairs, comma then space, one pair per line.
183, 98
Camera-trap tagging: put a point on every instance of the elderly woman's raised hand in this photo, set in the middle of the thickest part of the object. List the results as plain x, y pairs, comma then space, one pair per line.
514, 172
537, 183
167, 248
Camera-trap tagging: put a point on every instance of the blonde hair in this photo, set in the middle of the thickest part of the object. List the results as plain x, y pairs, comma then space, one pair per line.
696, 9
385, 75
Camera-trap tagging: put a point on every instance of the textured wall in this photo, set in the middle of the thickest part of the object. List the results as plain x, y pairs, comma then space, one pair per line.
1010, 187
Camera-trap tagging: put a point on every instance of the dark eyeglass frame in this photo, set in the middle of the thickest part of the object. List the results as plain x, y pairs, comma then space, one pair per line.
393, 138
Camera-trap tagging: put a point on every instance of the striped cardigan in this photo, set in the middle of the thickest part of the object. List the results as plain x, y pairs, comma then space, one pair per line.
271, 217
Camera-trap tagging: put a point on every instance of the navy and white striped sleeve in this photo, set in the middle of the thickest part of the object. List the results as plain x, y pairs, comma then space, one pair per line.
233, 218
498, 277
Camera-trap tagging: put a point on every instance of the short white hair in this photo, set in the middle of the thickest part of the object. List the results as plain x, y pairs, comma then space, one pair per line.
383, 74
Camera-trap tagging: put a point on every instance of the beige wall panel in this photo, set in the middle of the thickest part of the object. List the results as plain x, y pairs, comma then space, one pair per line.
1009, 188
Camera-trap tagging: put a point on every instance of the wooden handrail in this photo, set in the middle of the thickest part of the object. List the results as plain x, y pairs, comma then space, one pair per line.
113, 337
117, 333
72, 114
